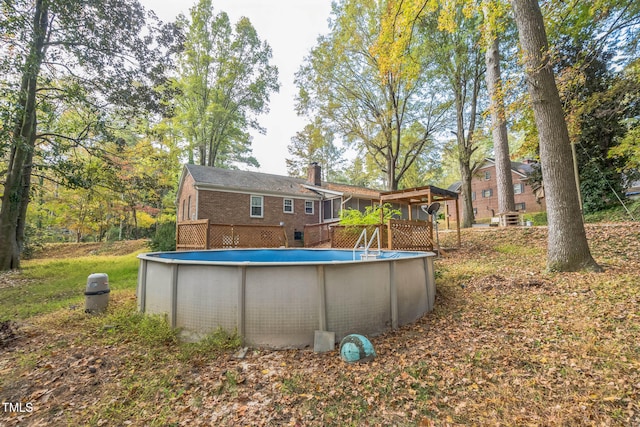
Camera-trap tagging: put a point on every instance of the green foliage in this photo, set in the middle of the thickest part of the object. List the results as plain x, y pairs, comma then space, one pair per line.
225, 81
538, 218
315, 143
32, 241
595, 63
390, 114
599, 100
371, 215
150, 330
452, 33
211, 345
362, 171
78, 73
53, 284
600, 185
164, 238
616, 212
628, 148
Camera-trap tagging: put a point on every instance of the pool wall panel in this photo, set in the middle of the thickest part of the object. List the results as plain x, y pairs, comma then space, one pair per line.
159, 288
357, 298
411, 286
429, 269
207, 297
281, 308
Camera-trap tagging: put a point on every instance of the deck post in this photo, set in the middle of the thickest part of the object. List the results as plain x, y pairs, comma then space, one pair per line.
458, 222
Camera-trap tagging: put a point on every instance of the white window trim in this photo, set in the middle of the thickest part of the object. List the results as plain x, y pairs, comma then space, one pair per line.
251, 206
520, 186
312, 207
284, 206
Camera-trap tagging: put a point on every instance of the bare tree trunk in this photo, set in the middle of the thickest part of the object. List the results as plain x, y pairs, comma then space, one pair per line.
465, 140
465, 192
567, 245
18, 181
506, 202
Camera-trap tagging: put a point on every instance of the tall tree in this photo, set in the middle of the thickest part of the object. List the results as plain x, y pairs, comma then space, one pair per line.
567, 247
455, 37
506, 201
315, 143
18, 179
349, 81
225, 83
100, 51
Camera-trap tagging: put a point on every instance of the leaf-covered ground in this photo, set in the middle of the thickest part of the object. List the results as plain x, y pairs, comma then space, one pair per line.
507, 344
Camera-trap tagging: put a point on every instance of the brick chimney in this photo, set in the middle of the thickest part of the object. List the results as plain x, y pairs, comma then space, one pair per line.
314, 174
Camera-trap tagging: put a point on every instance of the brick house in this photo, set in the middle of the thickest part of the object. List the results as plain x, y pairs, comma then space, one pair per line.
237, 197
484, 190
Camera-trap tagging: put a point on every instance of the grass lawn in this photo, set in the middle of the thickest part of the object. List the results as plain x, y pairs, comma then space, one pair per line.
507, 344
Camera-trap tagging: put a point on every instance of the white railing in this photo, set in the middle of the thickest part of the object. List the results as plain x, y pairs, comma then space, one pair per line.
367, 244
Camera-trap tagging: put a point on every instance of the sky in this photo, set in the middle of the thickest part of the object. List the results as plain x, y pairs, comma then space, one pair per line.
291, 28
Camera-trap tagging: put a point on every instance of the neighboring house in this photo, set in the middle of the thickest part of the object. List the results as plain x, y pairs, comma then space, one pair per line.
633, 191
484, 190
225, 196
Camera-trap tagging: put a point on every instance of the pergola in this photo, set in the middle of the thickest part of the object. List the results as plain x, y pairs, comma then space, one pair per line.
423, 196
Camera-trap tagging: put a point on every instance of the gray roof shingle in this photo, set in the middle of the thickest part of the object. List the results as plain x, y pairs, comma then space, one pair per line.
231, 179
247, 180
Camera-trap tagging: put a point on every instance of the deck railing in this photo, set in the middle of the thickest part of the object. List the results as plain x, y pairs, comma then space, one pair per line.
316, 234
410, 235
201, 234
396, 234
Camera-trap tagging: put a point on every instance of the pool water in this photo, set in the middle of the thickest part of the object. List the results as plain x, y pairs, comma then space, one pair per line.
277, 255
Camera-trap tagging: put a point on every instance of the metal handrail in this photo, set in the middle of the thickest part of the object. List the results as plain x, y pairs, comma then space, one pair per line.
364, 233
367, 245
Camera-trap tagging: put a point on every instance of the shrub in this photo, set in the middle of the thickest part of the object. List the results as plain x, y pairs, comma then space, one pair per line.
538, 218
616, 213
371, 215
164, 238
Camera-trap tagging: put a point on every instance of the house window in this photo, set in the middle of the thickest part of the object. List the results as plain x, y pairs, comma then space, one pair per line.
475, 211
520, 206
487, 193
327, 209
189, 208
473, 195
183, 208
518, 188
336, 208
257, 203
487, 175
308, 207
331, 209
288, 206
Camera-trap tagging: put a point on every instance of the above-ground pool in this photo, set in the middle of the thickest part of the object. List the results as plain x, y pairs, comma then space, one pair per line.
278, 298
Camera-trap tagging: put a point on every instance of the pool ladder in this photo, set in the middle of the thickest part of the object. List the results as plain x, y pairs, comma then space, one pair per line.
367, 245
